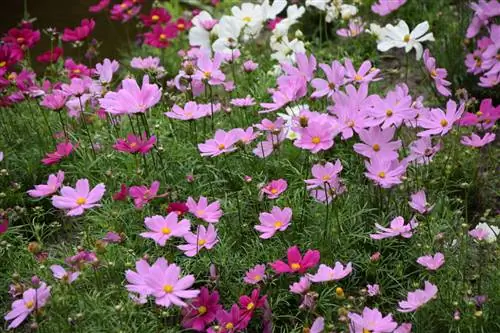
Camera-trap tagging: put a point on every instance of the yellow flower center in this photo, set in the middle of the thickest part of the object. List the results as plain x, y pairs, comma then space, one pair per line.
77, 71
155, 18
444, 122
479, 113
278, 224
389, 113
339, 291
295, 266
168, 288
202, 310
133, 145
257, 277
81, 201
221, 146
376, 147
326, 177
381, 174
350, 123
200, 212
229, 326
181, 26
12, 76
163, 37
315, 140
29, 304
3, 63
406, 38
123, 5
201, 242
250, 306
166, 231
433, 73
274, 191
247, 19
365, 330
358, 77
207, 75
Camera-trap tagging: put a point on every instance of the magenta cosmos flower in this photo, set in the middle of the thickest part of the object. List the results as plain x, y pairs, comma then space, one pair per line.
100, 6
385, 7
79, 33
77, 200
162, 228
50, 56
54, 101
438, 122
203, 238
430, 262
371, 320
168, 287
142, 194
318, 135
274, 188
418, 298
223, 142
277, 220
210, 213
201, 311
251, 303
476, 141
61, 274
296, 263
230, 321
53, 184
255, 275
385, 173
134, 144
419, 202
161, 35
323, 174
397, 228
155, 16
63, 149
137, 280
326, 273
131, 98
377, 143
33, 300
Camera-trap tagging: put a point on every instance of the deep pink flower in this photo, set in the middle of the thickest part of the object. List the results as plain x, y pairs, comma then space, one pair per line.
50, 56
163, 228
76, 200
142, 194
9, 56
277, 220
371, 320
418, 298
255, 275
157, 15
161, 35
296, 263
334, 80
385, 173
385, 7
33, 300
397, 228
377, 143
125, 11
210, 213
201, 311
179, 208
121, 195
203, 238
53, 184
230, 321
326, 273
419, 202
100, 6
25, 38
251, 303
135, 144
223, 142
62, 150
438, 122
61, 274
432, 262
476, 141
79, 33
274, 188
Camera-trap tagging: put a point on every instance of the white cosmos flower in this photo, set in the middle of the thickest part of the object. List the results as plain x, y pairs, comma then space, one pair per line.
198, 34
377, 31
332, 12
400, 36
228, 30
293, 13
285, 50
271, 11
251, 17
491, 231
320, 4
348, 11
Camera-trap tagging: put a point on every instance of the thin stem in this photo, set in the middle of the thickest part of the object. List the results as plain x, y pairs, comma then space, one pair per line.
85, 127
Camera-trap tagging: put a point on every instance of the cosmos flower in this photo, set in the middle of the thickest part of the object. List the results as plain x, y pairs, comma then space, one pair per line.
53, 184
419, 202
476, 141
33, 300
255, 275
76, 200
296, 262
203, 238
61, 274
371, 320
400, 36
418, 298
210, 213
274, 188
201, 310
325, 273
277, 220
161, 229
397, 228
432, 262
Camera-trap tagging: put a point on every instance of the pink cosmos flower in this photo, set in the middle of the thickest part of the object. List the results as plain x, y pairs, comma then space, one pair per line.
486, 232
397, 228
422, 150
24, 37
243, 102
393, 109
255, 275
191, 111
135, 144
485, 117
131, 98
157, 15
161, 35
270, 223
61, 274
50, 56
476, 141
385, 173
323, 174
147, 63
403, 328
274, 188
305, 66
318, 325
79, 33
169, 287
296, 263
248, 304
106, 70
317, 136
419, 202
438, 122
142, 194
385, 7
272, 142
77, 200
203, 238
356, 27
53, 184
329, 191
230, 321
325, 273
210, 213
63, 149
365, 74
418, 298
334, 80
301, 287
371, 320
430, 262
290, 88
163, 228
437, 74
201, 310
100, 6
54, 101
137, 280
373, 289
250, 66
33, 300
77, 86
244, 136
223, 142
377, 143
122, 194
209, 69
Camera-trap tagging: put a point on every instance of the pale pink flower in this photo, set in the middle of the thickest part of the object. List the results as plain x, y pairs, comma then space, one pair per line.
203, 238
210, 213
326, 273
137, 283
403, 328
317, 136
422, 151
430, 262
142, 194
255, 275
419, 202
305, 66
244, 136
162, 228
277, 220
318, 325
438, 75
250, 66
53, 184
272, 142
418, 298
33, 300
365, 74
61, 274
486, 232
385, 7
397, 228
301, 287
334, 80
323, 174
355, 27
438, 122
373, 289
209, 69
377, 143
371, 320
223, 142
393, 109
77, 200
190, 111
243, 102
476, 141
385, 173
274, 188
